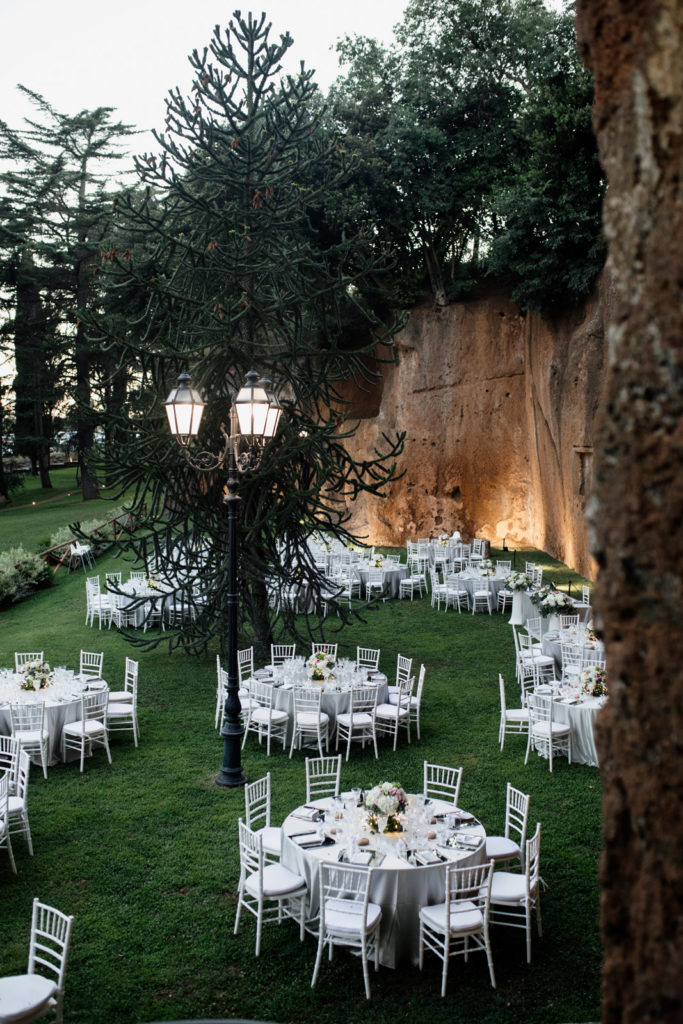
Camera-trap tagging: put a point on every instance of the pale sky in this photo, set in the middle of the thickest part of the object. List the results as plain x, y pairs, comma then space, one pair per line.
81, 54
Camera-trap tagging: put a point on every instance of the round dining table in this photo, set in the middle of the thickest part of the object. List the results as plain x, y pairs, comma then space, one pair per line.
336, 691
62, 700
409, 868
393, 573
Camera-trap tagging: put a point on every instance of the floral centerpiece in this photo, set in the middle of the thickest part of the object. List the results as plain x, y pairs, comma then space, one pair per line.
443, 539
388, 799
378, 563
486, 567
320, 665
594, 681
36, 675
550, 601
517, 581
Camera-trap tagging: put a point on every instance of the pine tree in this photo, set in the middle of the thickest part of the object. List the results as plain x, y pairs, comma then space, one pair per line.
54, 219
243, 264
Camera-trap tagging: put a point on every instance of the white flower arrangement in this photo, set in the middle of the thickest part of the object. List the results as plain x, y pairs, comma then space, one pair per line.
551, 602
36, 675
320, 665
594, 681
517, 581
387, 799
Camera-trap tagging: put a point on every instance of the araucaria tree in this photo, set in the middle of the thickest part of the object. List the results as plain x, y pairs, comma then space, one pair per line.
245, 262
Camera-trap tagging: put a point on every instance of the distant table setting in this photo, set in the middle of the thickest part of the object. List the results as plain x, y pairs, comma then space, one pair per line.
409, 865
60, 692
336, 687
574, 707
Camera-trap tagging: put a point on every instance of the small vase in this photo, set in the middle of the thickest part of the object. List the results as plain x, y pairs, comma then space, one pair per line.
517, 619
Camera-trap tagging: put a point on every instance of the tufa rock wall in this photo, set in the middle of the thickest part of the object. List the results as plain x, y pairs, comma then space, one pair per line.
498, 411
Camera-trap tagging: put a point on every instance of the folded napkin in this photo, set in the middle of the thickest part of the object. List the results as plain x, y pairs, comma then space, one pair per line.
427, 857
362, 857
307, 813
466, 839
307, 839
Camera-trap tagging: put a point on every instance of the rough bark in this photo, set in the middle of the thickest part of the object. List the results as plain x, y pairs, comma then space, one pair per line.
634, 50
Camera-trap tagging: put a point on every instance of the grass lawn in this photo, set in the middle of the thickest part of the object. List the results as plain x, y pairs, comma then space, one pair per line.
144, 852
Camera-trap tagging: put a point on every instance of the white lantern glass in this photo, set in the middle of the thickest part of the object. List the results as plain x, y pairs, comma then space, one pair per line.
184, 409
251, 406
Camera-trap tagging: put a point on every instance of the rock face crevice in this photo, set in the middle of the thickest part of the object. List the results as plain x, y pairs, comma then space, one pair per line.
498, 409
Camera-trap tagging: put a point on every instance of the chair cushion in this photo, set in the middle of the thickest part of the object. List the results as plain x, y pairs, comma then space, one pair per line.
264, 715
506, 887
345, 917
115, 695
500, 848
24, 995
389, 711
271, 837
517, 715
360, 719
121, 709
310, 718
277, 881
542, 729
465, 917
91, 727
30, 736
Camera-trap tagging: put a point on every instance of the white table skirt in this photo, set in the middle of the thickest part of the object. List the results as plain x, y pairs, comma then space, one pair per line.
400, 888
553, 649
472, 581
392, 578
333, 703
581, 720
59, 711
530, 611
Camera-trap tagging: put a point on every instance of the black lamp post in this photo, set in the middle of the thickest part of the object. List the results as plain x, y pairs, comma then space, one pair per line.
254, 419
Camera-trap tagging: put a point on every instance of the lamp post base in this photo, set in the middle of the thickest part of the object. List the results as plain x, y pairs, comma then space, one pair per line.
231, 779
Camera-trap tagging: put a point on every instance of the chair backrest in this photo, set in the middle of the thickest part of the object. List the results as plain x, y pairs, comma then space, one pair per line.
420, 685
404, 667
49, 946
262, 693
345, 882
477, 546
516, 813
10, 749
566, 621
251, 854
130, 681
405, 692
532, 861
257, 802
22, 775
468, 889
442, 782
538, 575
533, 626
323, 776
113, 579
364, 700
245, 664
571, 656
540, 709
92, 585
137, 574
367, 657
376, 575
330, 649
529, 569
307, 700
585, 595
4, 804
23, 658
503, 563
91, 664
501, 687
94, 707
279, 653
27, 717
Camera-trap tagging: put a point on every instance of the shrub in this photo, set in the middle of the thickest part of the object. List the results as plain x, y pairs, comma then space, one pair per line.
21, 573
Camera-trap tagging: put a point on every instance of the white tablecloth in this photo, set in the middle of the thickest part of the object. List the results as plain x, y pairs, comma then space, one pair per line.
474, 580
581, 718
399, 887
62, 706
335, 699
393, 574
